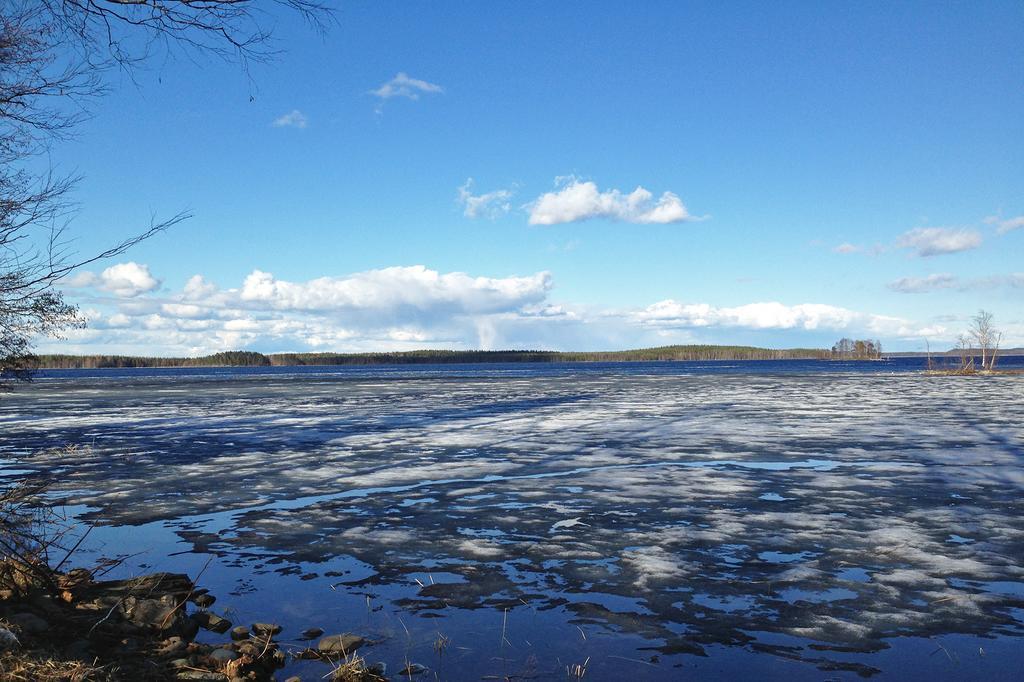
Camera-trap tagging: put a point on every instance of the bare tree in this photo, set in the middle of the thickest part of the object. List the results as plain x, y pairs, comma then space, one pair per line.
986, 336
963, 347
53, 57
126, 32
996, 340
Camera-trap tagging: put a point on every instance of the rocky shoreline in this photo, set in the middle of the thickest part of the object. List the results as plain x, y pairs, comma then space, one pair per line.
145, 629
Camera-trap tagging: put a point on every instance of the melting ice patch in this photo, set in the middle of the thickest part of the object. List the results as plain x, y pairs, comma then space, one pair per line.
856, 512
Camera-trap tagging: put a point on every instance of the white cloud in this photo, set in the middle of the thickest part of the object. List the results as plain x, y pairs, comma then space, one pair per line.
197, 288
410, 288
846, 248
126, 280
1007, 225
771, 315
119, 320
918, 285
293, 119
404, 86
185, 310
389, 309
402, 308
670, 314
487, 205
575, 200
934, 241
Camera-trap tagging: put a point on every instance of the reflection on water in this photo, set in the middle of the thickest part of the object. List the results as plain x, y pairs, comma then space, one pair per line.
657, 524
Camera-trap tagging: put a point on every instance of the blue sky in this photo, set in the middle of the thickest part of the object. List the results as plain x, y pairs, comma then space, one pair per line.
808, 171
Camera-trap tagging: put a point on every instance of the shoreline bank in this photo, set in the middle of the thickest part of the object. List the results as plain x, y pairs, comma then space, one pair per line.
146, 628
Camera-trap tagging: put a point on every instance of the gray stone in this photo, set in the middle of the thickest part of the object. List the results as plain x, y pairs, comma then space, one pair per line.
223, 656
266, 629
218, 624
413, 669
212, 622
172, 646
250, 649
179, 663
294, 678
239, 633
154, 613
8, 640
312, 633
29, 623
203, 601
340, 644
156, 583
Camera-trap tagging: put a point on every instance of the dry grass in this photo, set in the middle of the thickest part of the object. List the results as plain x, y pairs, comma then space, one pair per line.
441, 643
354, 669
576, 671
20, 666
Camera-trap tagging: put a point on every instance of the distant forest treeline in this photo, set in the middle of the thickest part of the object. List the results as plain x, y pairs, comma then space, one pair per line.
235, 358
641, 354
247, 358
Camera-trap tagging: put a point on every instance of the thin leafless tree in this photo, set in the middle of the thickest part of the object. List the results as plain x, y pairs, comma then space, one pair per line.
987, 338
964, 350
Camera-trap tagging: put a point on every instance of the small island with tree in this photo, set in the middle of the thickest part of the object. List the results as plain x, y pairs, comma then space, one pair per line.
976, 350
860, 349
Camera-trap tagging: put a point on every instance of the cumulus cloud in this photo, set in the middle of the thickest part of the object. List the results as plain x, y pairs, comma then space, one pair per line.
487, 205
119, 320
197, 288
293, 119
126, 280
184, 310
934, 241
388, 309
404, 86
1005, 225
575, 200
671, 314
415, 287
847, 247
401, 308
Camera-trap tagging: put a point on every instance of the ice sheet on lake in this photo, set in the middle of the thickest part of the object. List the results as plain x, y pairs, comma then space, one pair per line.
723, 504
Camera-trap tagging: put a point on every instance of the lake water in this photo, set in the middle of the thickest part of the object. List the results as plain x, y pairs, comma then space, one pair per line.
746, 520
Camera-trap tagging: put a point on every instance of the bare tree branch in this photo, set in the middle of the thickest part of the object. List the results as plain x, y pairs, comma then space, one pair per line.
53, 56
